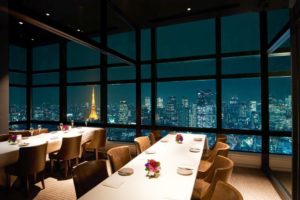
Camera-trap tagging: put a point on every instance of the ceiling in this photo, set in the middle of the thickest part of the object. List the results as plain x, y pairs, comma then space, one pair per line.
83, 16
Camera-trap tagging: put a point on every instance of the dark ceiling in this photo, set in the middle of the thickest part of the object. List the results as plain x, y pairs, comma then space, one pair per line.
84, 15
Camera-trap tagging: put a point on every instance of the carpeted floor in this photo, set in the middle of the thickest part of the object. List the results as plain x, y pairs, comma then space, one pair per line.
250, 182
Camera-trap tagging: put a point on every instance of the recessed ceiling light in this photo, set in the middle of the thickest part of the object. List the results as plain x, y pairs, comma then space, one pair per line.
47, 14
78, 30
21, 23
32, 39
188, 9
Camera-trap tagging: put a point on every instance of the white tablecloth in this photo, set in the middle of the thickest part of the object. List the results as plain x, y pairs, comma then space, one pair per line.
9, 153
169, 185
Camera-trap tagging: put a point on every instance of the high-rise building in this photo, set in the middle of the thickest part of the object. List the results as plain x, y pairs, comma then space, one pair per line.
93, 114
123, 112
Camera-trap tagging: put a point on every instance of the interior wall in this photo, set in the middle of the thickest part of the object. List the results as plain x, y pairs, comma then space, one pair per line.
4, 75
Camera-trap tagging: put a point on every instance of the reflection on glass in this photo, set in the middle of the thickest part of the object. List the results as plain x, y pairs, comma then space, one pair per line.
17, 104
121, 134
244, 142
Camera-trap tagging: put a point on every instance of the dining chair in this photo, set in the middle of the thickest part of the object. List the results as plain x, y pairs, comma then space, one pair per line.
69, 150
37, 131
24, 133
221, 170
31, 161
219, 149
154, 136
142, 143
98, 142
87, 175
219, 138
225, 191
4, 137
118, 157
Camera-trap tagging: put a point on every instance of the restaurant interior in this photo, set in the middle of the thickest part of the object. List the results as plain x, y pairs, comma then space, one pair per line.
140, 99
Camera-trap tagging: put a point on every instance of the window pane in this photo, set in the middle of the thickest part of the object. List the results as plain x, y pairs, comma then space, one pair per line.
17, 58
80, 56
17, 104
123, 43
45, 57
281, 145
145, 71
186, 104
240, 32
121, 104
80, 105
146, 103
16, 127
121, 134
280, 104
241, 104
91, 75
45, 78
146, 44
50, 127
276, 21
121, 73
244, 142
240, 65
17, 78
45, 103
187, 68
186, 39
279, 62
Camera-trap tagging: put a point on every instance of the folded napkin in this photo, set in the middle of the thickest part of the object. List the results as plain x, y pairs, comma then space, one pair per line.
113, 182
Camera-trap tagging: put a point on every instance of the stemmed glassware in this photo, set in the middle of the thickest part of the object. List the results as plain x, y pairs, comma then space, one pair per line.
39, 128
72, 123
61, 126
86, 122
31, 130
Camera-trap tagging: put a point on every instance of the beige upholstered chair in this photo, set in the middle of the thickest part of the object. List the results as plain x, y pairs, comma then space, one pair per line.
219, 149
98, 141
154, 136
221, 170
69, 150
118, 157
87, 175
32, 160
37, 131
4, 137
219, 138
142, 143
225, 191
24, 133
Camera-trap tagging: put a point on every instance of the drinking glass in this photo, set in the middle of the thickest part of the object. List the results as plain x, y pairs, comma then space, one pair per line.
31, 130
86, 122
61, 126
72, 123
40, 128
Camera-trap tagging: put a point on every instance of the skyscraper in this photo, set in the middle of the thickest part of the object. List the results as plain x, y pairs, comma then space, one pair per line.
123, 112
93, 114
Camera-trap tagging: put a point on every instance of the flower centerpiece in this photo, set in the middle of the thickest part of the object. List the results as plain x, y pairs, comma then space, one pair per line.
179, 138
13, 139
152, 168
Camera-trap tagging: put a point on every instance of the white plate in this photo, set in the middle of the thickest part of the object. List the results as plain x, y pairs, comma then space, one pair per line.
184, 171
164, 140
125, 171
24, 144
198, 139
195, 150
150, 151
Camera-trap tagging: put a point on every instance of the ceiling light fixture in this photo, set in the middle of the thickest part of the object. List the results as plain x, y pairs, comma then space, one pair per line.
188, 9
21, 23
47, 14
78, 30
32, 39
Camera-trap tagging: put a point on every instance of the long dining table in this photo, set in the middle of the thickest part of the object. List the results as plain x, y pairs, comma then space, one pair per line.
168, 185
9, 153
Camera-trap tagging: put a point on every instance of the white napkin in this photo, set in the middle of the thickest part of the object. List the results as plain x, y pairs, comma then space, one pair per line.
113, 182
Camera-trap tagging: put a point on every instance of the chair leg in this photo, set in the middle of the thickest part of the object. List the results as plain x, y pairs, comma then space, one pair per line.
51, 165
34, 178
66, 168
27, 185
77, 161
83, 157
8, 180
96, 153
43, 177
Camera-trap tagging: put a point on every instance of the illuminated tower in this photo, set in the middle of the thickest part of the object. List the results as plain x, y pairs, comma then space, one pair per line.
93, 115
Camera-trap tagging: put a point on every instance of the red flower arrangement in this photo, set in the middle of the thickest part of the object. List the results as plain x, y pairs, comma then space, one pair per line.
152, 168
179, 138
12, 139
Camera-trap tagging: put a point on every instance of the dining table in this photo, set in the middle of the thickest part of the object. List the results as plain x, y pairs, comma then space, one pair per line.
179, 164
9, 153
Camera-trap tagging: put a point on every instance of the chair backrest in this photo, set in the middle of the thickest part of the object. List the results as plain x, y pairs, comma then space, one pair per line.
4, 137
154, 136
70, 148
24, 133
99, 139
88, 174
32, 159
37, 131
142, 143
219, 149
221, 138
118, 157
226, 191
221, 170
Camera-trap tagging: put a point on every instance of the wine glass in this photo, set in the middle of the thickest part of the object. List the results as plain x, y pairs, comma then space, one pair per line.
61, 126
86, 122
31, 130
72, 123
40, 128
